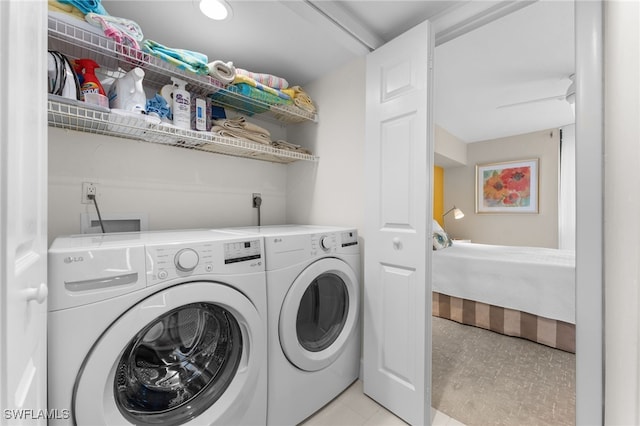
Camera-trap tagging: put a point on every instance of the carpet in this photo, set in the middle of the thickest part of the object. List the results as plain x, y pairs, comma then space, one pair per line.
484, 378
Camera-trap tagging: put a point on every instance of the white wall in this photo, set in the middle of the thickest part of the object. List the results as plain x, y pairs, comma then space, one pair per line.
449, 150
330, 192
177, 188
536, 230
622, 213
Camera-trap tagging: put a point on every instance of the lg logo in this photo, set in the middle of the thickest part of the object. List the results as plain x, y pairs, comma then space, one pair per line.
73, 259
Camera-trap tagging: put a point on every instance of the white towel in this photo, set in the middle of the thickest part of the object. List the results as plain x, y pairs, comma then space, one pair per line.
223, 72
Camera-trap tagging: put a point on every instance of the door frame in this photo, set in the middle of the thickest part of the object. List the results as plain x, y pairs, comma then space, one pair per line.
589, 31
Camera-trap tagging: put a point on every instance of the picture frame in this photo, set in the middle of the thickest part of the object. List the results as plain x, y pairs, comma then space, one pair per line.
507, 187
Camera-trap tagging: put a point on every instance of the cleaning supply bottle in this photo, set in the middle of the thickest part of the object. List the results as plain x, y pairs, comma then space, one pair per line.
181, 105
127, 92
91, 84
78, 70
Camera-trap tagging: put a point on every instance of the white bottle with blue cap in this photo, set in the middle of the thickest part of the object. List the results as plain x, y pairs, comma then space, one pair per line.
181, 105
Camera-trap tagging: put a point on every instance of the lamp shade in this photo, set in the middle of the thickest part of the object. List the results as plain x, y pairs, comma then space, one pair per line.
457, 213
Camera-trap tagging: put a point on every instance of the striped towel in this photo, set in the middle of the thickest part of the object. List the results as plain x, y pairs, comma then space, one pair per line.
188, 60
121, 30
87, 6
266, 79
239, 78
69, 9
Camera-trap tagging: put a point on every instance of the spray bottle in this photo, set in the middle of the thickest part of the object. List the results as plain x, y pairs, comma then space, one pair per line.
91, 84
181, 105
127, 92
78, 69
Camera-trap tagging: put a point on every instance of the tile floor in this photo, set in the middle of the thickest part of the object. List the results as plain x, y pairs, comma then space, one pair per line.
354, 408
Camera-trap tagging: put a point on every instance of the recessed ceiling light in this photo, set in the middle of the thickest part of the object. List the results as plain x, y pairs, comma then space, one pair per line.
216, 9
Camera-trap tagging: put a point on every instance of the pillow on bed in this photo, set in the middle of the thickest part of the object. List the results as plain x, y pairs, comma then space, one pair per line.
440, 238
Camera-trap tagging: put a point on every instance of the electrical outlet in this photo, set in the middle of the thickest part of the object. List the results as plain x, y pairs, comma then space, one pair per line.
88, 188
256, 200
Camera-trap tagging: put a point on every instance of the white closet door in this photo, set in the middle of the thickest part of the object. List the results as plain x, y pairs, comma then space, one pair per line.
399, 167
23, 212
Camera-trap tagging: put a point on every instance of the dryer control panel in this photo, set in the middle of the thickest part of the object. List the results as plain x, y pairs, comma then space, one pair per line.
170, 261
333, 242
349, 238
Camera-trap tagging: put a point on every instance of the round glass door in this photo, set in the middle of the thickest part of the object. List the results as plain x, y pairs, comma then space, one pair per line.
179, 365
322, 312
180, 355
319, 314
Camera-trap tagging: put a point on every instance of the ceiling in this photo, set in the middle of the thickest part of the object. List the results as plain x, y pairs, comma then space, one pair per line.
524, 56
527, 54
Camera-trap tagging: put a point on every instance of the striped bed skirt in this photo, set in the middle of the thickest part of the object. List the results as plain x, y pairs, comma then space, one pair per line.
554, 333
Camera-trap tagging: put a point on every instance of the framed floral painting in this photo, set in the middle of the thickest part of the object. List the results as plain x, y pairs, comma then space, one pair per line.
509, 187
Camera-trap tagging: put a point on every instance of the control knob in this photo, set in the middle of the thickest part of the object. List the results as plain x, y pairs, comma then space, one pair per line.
186, 260
326, 243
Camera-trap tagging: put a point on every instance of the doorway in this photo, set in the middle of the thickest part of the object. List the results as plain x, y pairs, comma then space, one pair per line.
588, 65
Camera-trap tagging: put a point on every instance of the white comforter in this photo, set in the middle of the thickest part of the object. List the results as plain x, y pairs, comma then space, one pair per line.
537, 280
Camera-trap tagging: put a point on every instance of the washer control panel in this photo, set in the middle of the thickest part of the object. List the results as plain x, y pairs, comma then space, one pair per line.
170, 261
242, 251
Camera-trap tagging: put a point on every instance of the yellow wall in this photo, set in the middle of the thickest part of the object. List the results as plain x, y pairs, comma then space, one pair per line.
438, 194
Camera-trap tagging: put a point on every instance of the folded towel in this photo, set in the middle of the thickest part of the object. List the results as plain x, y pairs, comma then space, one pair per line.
241, 123
266, 79
251, 82
301, 98
241, 134
280, 144
121, 30
188, 60
87, 6
224, 72
63, 7
239, 127
68, 9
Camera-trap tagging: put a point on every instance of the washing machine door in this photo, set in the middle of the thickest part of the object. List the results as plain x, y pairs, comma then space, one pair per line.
319, 314
188, 353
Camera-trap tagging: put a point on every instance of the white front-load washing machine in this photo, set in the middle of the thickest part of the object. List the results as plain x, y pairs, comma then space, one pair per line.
313, 293
157, 328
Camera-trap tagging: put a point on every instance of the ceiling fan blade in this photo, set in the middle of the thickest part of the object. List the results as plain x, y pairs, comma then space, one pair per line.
533, 101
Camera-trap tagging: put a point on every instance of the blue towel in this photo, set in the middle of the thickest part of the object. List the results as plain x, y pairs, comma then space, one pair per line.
158, 105
184, 59
87, 6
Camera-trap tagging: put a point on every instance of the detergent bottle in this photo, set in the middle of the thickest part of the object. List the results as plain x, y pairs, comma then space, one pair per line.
181, 105
78, 70
90, 83
127, 92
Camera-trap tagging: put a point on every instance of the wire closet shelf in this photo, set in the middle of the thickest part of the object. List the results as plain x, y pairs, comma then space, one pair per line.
87, 118
76, 42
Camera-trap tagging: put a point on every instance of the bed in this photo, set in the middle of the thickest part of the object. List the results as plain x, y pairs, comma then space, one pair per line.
526, 292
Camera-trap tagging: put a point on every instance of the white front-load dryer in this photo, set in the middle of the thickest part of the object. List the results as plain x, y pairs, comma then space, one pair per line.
313, 299
157, 328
